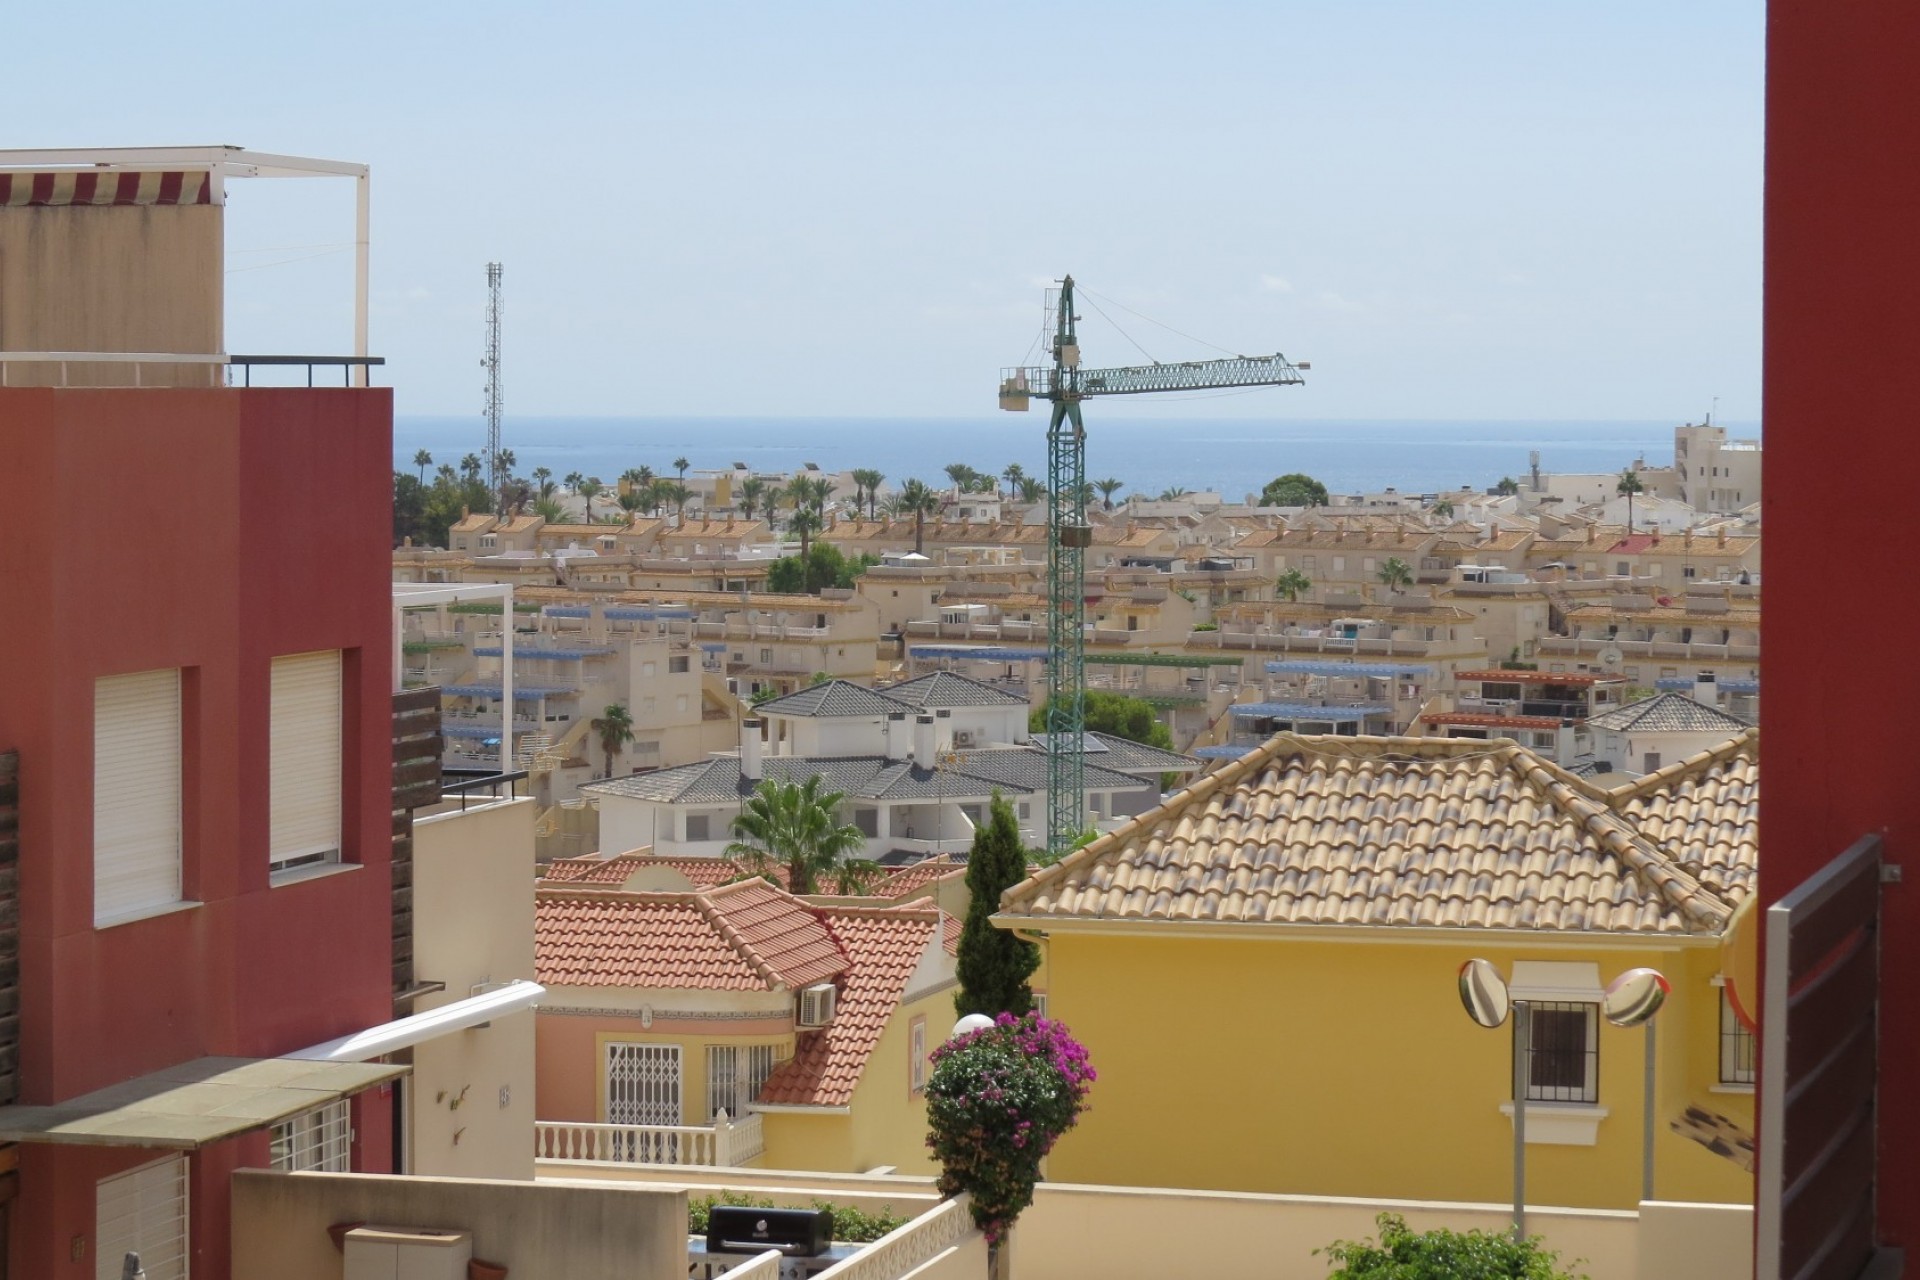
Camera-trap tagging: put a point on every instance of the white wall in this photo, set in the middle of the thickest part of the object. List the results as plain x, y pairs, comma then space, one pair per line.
627, 824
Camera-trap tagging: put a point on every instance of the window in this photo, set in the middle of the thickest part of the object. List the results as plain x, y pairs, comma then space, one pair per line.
136, 794
1686, 571
1738, 1051
1563, 1060
766, 656
917, 1055
735, 1076
1040, 1003
677, 666
1623, 568
1652, 762
303, 748
647, 670
143, 1211
698, 825
320, 1140
1339, 564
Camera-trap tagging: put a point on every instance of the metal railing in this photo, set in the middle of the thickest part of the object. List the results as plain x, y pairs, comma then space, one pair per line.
725, 1143
138, 359
487, 786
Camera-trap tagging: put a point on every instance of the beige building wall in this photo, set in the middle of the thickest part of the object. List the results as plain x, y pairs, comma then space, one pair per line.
471, 1096
112, 278
603, 1231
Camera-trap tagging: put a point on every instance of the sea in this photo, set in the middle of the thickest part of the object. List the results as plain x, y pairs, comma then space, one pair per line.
1232, 457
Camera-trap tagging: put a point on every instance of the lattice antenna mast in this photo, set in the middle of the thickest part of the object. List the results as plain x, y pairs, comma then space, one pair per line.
496, 477
1066, 384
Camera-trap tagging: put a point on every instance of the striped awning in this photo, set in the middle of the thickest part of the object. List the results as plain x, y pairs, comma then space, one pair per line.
43, 190
1376, 670
1306, 711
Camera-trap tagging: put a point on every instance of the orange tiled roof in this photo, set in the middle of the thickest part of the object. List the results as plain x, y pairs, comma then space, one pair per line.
738, 937
885, 945
1414, 832
1489, 720
595, 869
908, 879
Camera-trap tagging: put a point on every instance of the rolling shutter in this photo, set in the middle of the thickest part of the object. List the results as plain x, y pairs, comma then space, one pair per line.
136, 793
145, 1212
304, 750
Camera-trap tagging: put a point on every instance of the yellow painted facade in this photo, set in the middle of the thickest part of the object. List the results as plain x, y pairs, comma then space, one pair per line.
1289, 1064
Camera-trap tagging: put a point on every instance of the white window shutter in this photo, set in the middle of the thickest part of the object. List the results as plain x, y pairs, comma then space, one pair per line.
303, 783
136, 793
143, 1211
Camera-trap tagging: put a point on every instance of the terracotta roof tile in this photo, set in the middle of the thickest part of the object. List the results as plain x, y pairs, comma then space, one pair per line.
1415, 832
738, 937
885, 945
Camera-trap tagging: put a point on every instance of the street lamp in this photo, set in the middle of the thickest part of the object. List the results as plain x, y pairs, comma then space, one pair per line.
1630, 1000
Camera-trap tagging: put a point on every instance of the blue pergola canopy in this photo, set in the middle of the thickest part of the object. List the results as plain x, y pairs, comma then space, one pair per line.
1307, 711
1321, 667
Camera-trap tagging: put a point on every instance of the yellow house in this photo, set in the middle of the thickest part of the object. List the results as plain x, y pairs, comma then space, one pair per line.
808, 1023
1263, 969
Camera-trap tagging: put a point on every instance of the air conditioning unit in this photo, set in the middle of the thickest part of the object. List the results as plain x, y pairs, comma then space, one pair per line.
816, 1006
963, 738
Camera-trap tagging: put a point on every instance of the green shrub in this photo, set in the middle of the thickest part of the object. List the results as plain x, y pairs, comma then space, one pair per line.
850, 1225
1440, 1254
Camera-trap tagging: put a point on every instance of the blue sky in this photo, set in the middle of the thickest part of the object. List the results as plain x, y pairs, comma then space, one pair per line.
1512, 210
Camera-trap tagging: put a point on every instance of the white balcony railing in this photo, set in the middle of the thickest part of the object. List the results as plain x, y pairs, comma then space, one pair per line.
724, 1143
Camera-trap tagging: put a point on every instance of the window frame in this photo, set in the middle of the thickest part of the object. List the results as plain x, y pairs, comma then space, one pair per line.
740, 1080
161, 1210
127, 844
1586, 1055
1737, 1043
289, 856
318, 1140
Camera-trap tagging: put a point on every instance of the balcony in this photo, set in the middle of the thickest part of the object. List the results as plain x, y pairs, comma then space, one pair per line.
724, 1143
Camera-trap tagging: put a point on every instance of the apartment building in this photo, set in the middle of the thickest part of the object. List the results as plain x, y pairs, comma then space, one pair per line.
1717, 473
1647, 637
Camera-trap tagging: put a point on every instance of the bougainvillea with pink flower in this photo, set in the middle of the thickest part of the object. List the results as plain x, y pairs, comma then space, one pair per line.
997, 1101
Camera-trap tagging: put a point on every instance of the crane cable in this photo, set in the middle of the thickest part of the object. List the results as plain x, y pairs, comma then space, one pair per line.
1123, 333
1150, 320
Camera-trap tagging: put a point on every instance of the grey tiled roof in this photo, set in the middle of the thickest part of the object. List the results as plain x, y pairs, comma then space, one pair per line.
1125, 755
1025, 770
833, 698
945, 689
1668, 713
975, 776
719, 781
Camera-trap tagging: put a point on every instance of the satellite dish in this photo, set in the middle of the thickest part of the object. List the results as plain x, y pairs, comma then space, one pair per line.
1611, 657
1484, 993
1634, 997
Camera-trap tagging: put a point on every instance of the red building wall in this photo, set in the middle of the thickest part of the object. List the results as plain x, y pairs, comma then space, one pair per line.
209, 530
1842, 395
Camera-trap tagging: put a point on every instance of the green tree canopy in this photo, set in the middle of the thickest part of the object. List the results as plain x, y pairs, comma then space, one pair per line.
426, 512
614, 727
1119, 715
1295, 489
795, 825
1440, 1254
825, 566
994, 964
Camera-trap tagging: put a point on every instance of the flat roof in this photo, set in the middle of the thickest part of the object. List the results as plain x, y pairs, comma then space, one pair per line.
194, 1104
1542, 677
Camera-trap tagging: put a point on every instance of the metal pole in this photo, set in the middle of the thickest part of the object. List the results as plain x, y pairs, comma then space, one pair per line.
1522, 1045
1646, 1120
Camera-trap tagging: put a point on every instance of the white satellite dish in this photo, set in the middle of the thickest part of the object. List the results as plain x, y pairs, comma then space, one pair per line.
1610, 658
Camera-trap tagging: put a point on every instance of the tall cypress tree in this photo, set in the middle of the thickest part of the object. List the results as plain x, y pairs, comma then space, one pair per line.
994, 964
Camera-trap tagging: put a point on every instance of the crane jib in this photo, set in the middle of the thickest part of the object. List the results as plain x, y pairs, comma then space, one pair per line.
1045, 382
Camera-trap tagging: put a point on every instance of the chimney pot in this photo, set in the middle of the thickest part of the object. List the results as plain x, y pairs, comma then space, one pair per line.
750, 748
923, 741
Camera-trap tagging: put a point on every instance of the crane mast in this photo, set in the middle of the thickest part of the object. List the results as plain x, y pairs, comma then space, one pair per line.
1066, 384
496, 476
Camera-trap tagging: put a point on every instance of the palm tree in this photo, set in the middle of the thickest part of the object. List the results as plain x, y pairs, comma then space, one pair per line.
470, 465
806, 523
446, 472
1629, 484
772, 499
1395, 574
752, 490
1032, 490
541, 475
962, 476
917, 500
422, 459
548, 508
676, 493
632, 500
1293, 584
573, 479
1174, 494
615, 729
1507, 486
1107, 489
796, 825
589, 489
868, 482
1443, 509
858, 877
505, 461
1013, 475
680, 465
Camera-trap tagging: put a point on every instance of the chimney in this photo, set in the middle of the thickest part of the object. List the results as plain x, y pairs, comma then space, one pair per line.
943, 729
1706, 689
923, 741
750, 749
1563, 743
1723, 535
894, 745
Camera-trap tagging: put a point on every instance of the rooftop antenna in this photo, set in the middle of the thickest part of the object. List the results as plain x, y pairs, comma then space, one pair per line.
1713, 410
1533, 465
491, 363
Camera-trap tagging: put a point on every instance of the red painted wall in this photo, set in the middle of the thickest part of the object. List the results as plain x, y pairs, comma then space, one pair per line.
1842, 387
209, 530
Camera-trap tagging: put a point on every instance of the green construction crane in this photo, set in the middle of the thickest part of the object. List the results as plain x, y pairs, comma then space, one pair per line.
1066, 384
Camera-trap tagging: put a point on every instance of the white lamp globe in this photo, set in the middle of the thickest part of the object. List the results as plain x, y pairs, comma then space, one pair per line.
972, 1022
